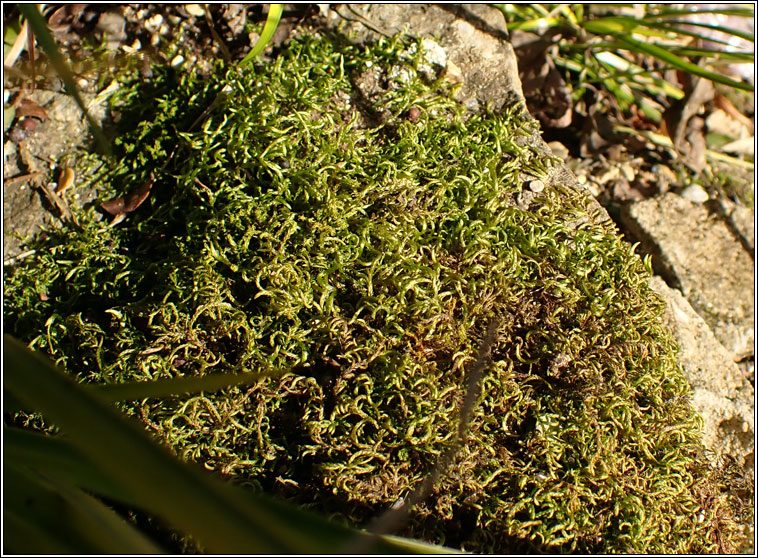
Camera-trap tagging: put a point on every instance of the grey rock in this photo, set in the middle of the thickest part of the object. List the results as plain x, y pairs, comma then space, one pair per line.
474, 37
695, 193
536, 186
697, 253
721, 394
740, 219
113, 26
60, 135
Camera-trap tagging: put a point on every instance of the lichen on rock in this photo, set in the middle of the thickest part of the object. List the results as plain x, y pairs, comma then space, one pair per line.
306, 225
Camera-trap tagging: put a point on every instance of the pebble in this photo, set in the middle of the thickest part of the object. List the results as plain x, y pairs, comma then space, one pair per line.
610, 174
113, 25
536, 186
453, 73
695, 193
154, 23
628, 171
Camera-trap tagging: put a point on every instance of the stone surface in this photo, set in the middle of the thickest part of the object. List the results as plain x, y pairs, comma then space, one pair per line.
695, 193
474, 37
697, 253
59, 136
740, 219
721, 394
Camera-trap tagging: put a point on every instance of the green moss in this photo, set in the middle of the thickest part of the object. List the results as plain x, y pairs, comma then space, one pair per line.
308, 224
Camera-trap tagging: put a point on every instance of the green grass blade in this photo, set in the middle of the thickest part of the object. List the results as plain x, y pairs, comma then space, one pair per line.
39, 26
56, 456
272, 22
190, 501
679, 50
635, 75
610, 25
63, 519
539, 24
715, 54
672, 26
674, 12
679, 63
223, 518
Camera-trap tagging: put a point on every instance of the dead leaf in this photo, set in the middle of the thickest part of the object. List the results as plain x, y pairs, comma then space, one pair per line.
131, 201
726, 105
65, 180
60, 204
61, 20
679, 114
55, 21
598, 128
28, 107
685, 128
547, 95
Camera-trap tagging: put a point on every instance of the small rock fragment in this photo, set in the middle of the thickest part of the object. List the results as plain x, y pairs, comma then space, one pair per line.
153, 24
695, 193
195, 10
628, 171
536, 186
453, 73
113, 26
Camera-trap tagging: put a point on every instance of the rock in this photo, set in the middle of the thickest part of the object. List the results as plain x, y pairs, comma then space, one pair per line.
720, 393
698, 254
559, 150
113, 26
473, 36
740, 219
435, 58
57, 136
536, 186
695, 193
195, 10
665, 177
743, 146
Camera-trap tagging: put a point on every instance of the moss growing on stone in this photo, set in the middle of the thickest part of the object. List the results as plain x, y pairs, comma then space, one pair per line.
308, 224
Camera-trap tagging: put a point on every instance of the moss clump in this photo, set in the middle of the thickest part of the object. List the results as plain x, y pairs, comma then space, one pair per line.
308, 225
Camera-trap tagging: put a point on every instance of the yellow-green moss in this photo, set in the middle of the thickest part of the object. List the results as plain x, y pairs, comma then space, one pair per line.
310, 224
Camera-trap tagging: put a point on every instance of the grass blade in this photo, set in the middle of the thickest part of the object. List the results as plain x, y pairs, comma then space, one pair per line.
62, 518
39, 26
223, 518
673, 12
272, 22
679, 63
672, 26
57, 457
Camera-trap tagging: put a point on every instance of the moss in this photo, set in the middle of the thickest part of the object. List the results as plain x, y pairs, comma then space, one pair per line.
308, 224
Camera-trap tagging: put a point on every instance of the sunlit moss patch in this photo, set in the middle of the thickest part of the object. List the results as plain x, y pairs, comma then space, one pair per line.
359, 230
